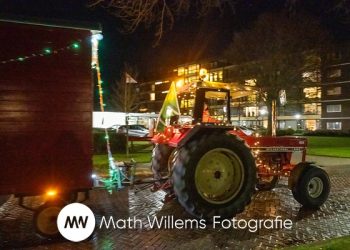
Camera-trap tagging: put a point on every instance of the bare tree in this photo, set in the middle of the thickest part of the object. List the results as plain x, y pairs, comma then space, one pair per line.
338, 8
276, 51
124, 92
161, 13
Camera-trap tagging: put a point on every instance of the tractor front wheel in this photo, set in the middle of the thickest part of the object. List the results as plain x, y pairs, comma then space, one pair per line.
312, 186
214, 175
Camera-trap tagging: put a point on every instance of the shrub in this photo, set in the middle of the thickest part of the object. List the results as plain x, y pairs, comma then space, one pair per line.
282, 132
117, 142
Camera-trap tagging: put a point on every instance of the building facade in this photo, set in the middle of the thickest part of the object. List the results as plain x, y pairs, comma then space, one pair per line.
336, 91
321, 101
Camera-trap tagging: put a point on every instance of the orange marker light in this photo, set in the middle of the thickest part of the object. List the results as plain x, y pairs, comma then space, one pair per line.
51, 193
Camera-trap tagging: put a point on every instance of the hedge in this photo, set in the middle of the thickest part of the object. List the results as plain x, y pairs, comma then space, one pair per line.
117, 142
327, 133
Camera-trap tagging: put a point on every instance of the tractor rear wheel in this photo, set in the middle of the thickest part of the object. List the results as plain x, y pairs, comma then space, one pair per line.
214, 175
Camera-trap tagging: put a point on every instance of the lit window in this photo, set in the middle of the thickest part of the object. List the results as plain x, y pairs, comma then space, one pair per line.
220, 75
187, 103
312, 108
194, 68
252, 98
152, 96
216, 76
334, 91
311, 125
333, 73
312, 92
334, 125
311, 76
250, 82
181, 71
153, 87
334, 108
251, 111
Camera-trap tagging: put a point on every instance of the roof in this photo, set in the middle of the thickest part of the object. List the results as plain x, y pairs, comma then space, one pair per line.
59, 23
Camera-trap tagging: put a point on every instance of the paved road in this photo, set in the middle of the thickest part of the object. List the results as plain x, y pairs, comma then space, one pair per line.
332, 220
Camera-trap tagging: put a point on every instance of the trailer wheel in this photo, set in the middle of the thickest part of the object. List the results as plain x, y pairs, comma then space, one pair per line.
45, 219
312, 187
267, 183
214, 175
160, 160
4, 199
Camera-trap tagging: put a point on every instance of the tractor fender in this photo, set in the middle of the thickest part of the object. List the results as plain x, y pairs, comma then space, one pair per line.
199, 130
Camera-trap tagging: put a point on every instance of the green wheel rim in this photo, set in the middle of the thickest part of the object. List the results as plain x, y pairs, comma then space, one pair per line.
315, 187
219, 176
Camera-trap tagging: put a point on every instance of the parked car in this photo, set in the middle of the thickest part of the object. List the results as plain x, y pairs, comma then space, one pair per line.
134, 130
246, 130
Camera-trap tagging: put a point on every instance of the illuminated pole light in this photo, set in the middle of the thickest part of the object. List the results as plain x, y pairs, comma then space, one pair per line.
114, 180
96, 37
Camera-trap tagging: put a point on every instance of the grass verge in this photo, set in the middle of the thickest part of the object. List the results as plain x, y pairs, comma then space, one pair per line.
333, 244
141, 152
329, 146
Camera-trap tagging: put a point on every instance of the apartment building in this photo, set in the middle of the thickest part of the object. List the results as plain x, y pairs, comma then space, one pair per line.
321, 101
336, 92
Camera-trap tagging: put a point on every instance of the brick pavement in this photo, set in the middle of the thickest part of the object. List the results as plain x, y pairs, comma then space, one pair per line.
332, 220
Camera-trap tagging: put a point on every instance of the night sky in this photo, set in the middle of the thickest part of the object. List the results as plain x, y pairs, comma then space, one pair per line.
191, 38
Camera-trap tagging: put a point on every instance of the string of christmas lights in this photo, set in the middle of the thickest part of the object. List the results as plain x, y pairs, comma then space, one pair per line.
115, 179
44, 52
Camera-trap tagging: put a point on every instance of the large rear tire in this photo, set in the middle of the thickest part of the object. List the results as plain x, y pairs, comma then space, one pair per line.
214, 175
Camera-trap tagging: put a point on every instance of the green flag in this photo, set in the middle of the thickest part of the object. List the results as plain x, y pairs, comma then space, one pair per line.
170, 108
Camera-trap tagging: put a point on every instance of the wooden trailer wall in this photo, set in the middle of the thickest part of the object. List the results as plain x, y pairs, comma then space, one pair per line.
45, 109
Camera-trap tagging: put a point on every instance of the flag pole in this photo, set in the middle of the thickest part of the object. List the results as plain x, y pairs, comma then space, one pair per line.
126, 115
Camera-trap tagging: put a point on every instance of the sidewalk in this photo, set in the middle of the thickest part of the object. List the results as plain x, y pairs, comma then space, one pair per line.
328, 161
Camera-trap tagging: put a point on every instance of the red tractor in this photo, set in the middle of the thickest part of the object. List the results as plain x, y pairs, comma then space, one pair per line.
213, 168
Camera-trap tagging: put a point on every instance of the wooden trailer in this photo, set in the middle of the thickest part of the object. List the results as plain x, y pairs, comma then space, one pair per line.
46, 102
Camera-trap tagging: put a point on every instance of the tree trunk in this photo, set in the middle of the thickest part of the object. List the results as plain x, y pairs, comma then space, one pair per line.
269, 117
